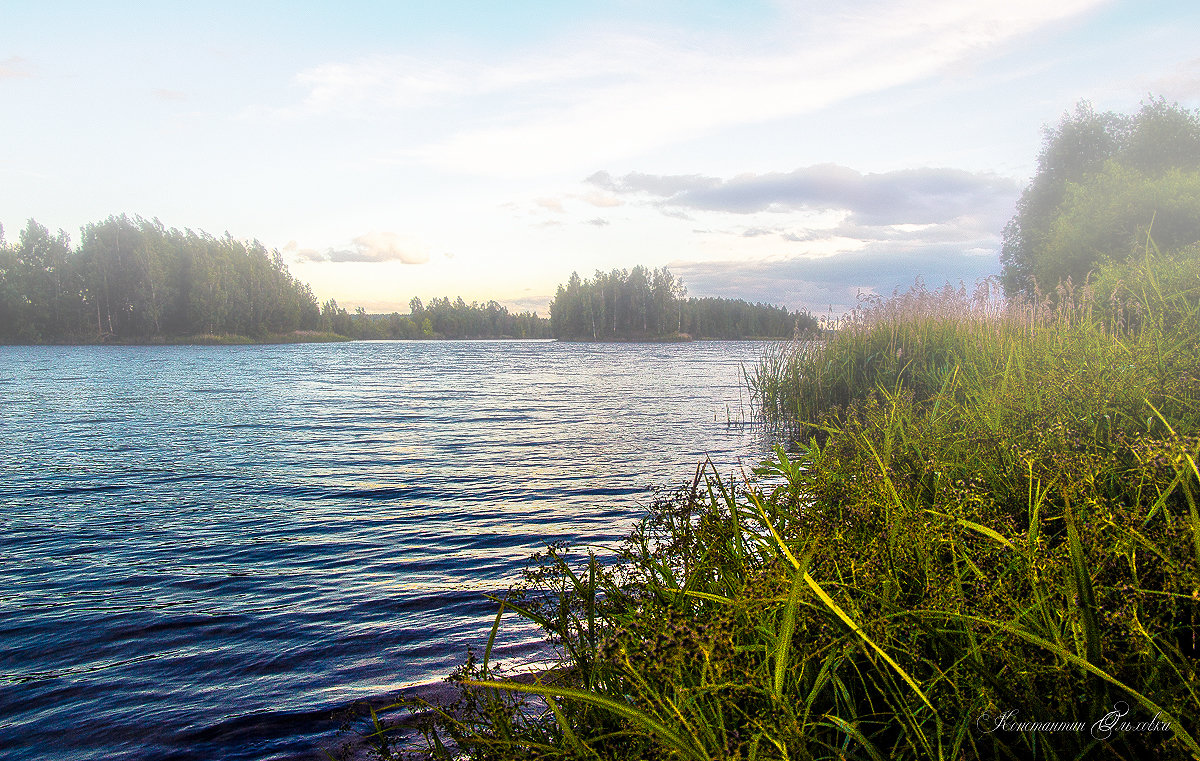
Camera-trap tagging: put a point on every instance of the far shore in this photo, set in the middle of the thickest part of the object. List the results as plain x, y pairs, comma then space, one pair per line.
202, 339
312, 336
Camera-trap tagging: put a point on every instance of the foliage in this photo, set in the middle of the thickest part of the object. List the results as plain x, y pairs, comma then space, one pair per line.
1101, 178
132, 279
441, 318
1101, 218
641, 304
998, 514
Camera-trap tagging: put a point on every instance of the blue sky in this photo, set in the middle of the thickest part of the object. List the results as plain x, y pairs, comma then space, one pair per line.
793, 152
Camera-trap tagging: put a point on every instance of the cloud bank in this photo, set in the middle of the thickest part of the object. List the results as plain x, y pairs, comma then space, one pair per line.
824, 234
835, 283
905, 197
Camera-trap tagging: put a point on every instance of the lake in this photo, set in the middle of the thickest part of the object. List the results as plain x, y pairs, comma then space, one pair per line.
206, 551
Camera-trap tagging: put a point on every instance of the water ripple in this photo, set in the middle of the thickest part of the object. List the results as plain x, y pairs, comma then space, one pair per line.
208, 550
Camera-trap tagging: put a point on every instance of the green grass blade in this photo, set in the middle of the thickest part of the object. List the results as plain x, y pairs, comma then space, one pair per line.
786, 630
858, 736
1083, 586
681, 745
487, 651
1082, 663
779, 543
572, 738
988, 532
710, 597
833, 606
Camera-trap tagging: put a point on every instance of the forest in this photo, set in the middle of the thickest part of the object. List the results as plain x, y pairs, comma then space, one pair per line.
133, 280
643, 304
440, 318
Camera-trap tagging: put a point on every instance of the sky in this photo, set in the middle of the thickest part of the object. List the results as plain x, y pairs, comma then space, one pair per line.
797, 153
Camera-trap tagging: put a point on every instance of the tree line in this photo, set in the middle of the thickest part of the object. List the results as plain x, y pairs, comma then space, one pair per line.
646, 304
135, 280
440, 318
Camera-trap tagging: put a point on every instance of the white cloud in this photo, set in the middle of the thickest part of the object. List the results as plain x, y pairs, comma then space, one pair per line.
599, 98
1182, 82
601, 200
370, 247
815, 236
376, 83
832, 283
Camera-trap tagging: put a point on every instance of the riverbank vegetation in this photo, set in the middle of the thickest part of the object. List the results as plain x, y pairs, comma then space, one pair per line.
991, 519
643, 304
983, 542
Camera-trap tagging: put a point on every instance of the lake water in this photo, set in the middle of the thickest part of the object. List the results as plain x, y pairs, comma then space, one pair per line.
206, 551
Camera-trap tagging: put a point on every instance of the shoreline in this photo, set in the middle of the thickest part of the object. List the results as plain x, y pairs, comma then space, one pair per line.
319, 337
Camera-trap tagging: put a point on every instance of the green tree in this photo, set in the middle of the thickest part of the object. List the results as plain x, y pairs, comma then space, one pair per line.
643, 304
12, 300
1107, 215
40, 280
1117, 159
133, 279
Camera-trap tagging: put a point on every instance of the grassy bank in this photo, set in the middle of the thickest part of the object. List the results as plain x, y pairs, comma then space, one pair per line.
985, 544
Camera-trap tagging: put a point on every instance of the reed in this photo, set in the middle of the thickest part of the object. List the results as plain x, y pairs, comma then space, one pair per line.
986, 542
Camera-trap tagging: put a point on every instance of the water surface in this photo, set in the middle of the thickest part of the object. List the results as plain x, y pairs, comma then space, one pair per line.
205, 551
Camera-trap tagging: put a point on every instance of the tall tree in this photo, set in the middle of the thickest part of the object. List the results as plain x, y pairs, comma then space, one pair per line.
40, 273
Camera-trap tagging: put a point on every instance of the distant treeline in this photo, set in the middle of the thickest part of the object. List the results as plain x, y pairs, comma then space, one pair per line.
441, 318
644, 304
134, 280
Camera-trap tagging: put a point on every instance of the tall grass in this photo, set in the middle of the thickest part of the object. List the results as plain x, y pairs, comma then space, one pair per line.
987, 546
